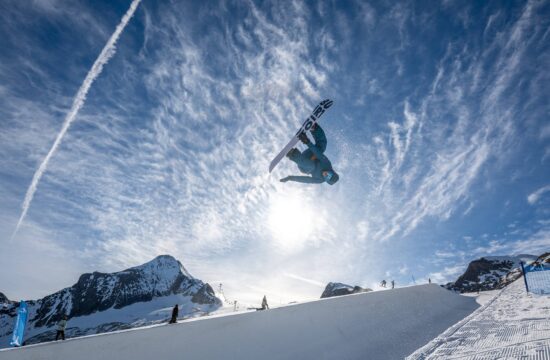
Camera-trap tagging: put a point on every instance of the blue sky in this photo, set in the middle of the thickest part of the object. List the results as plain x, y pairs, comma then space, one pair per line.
439, 131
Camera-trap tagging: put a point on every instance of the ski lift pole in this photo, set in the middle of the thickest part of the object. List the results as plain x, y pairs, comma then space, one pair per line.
524, 276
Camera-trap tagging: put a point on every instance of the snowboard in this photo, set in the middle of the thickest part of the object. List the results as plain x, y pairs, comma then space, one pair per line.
312, 119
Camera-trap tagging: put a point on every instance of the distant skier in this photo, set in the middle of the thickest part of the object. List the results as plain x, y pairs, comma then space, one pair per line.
61, 328
175, 312
312, 161
429, 280
264, 304
392, 284
383, 283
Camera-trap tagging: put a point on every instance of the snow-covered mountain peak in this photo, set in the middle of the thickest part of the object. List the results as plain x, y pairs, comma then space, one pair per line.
165, 266
155, 285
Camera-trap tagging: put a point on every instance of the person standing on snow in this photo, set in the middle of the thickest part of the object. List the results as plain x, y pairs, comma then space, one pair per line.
264, 304
61, 328
175, 312
312, 161
383, 283
392, 284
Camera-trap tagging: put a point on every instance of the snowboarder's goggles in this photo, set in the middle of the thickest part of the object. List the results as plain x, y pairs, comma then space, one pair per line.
329, 176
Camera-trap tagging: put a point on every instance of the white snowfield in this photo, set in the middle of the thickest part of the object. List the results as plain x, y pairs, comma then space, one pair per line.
511, 325
377, 325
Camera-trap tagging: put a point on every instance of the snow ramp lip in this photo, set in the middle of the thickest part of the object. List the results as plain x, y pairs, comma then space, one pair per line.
387, 324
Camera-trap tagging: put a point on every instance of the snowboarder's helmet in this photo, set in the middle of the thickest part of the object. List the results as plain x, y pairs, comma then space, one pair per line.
331, 177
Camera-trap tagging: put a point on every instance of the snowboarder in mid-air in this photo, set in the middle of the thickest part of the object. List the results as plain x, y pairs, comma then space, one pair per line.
312, 161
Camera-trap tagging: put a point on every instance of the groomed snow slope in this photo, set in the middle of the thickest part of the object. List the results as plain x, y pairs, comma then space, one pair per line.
513, 324
378, 325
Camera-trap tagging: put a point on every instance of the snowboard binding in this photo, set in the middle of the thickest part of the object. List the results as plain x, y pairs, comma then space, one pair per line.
303, 138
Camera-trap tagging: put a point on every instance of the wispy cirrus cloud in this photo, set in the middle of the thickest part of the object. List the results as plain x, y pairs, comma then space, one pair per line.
462, 135
535, 243
536, 195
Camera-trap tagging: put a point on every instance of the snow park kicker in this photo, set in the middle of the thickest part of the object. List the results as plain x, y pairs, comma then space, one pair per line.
377, 325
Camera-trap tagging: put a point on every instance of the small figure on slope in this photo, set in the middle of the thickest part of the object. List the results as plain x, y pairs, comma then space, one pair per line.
61, 328
313, 161
175, 313
383, 283
264, 304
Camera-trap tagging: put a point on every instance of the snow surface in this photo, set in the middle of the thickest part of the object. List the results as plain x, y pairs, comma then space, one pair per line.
483, 297
376, 325
513, 324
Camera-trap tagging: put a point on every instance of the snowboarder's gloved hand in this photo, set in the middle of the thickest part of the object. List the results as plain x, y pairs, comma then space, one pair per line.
303, 138
285, 179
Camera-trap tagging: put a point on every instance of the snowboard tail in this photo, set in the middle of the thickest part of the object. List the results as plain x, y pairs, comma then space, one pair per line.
308, 123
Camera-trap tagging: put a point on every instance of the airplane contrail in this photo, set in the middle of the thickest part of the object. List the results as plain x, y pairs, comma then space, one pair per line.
107, 52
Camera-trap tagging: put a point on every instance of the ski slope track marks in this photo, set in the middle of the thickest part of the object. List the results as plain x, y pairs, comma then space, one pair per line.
513, 325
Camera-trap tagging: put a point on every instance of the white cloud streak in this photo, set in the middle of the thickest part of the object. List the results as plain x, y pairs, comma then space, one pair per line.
306, 280
106, 54
536, 195
534, 244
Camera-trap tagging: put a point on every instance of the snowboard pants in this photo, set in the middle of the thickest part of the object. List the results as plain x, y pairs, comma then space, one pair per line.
303, 159
60, 333
320, 138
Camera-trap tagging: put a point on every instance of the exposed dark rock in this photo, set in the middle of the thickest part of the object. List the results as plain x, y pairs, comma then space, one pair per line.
206, 295
339, 289
7, 307
488, 274
3, 298
543, 259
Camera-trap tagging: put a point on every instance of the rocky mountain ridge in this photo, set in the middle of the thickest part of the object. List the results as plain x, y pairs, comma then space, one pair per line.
490, 273
338, 289
4, 299
129, 297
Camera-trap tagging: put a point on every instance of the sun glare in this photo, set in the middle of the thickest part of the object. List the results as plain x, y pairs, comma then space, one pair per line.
290, 221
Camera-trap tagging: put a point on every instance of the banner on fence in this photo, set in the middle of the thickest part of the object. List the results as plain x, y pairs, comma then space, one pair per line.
20, 322
537, 277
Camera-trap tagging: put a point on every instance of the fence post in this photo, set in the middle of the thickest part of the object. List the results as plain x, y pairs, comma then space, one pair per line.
524, 276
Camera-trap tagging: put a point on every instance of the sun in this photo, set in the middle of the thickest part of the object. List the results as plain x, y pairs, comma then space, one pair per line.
290, 221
